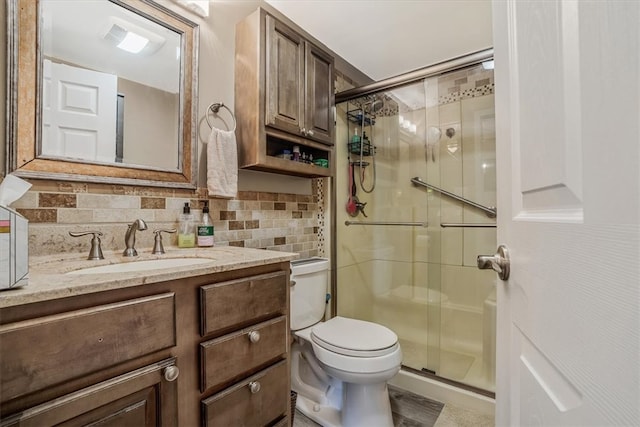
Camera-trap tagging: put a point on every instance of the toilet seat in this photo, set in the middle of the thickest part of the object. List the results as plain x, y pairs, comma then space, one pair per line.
355, 338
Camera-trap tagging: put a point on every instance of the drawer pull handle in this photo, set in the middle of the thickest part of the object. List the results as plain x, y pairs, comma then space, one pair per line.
171, 373
254, 336
254, 386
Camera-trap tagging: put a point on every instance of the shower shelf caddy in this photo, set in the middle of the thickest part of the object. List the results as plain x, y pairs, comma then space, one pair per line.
362, 121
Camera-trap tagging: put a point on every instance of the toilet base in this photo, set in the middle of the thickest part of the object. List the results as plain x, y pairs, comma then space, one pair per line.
363, 406
366, 405
325, 415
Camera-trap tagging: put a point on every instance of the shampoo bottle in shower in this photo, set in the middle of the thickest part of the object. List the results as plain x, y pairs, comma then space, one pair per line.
355, 138
205, 228
186, 228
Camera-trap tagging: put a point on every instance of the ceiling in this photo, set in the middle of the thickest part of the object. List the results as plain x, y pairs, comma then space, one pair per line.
76, 32
385, 38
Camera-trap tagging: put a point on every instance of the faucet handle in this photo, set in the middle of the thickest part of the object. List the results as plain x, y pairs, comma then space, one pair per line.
158, 248
95, 252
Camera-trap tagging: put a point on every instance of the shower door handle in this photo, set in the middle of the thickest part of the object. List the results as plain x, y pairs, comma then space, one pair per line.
500, 262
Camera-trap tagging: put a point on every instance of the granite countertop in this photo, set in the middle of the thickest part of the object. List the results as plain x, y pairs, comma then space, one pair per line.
48, 278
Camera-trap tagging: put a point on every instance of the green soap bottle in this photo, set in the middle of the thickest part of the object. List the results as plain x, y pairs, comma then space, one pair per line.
205, 228
186, 228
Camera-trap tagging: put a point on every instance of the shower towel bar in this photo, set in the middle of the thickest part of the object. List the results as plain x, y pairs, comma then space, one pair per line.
407, 224
491, 212
467, 225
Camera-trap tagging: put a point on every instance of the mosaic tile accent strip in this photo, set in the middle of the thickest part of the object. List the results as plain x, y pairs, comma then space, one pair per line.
467, 83
318, 188
467, 93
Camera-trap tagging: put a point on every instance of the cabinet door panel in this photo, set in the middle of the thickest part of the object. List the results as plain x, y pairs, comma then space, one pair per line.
260, 297
139, 398
284, 77
50, 350
138, 409
231, 356
319, 98
260, 408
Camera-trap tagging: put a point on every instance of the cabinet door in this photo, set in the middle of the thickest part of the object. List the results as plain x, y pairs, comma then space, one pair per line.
284, 78
319, 96
139, 398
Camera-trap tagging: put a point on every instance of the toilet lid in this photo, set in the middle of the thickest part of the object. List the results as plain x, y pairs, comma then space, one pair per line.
353, 337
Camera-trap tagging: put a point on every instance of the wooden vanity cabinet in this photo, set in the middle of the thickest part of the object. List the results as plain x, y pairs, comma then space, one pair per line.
244, 363
284, 96
176, 353
108, 362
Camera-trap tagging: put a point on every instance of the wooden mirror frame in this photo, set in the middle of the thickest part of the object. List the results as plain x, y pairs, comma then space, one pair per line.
24, 77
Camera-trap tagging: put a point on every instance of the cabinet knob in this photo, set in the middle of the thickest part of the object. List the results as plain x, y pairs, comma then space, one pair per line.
303, 131
310, 133
254, 336
171, 373
254, 387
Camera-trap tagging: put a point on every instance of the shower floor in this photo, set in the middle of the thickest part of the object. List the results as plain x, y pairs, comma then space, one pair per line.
454, 365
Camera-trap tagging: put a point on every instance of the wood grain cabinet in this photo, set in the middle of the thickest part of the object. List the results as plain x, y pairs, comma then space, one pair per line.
284, 96
203, 350
243, 365
49, 354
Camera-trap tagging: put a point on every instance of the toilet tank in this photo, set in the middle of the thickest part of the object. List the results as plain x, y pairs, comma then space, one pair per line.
308, 295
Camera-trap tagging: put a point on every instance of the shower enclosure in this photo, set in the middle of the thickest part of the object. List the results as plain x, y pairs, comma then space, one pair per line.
415, 198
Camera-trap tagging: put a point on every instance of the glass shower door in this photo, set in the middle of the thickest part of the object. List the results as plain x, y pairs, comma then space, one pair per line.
382, 247
405, 253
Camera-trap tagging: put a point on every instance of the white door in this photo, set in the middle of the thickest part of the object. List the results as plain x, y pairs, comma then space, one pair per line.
79, 113
568, 155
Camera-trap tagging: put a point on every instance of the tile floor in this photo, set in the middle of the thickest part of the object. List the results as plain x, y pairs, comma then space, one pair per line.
412, 410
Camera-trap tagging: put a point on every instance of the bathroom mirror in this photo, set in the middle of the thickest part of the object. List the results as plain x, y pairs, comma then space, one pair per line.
102, 91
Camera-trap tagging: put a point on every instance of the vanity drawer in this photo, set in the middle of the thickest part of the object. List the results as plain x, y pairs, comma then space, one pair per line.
262, 407
41, 352
237, 303
232, 356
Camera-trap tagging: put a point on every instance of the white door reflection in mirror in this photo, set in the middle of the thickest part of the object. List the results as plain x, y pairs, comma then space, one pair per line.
79, 113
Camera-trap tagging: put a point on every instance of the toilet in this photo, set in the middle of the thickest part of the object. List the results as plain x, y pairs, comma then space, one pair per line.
339, 367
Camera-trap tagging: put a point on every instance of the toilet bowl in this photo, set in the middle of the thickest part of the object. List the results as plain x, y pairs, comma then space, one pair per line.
340, 367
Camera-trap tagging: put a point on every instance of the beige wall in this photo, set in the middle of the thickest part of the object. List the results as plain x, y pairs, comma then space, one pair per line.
150, 125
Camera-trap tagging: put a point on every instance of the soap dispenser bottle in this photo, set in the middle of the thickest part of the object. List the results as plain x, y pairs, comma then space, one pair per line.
205, 228
186, 228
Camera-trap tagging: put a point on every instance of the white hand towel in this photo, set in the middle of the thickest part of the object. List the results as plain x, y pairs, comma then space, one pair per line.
222, 164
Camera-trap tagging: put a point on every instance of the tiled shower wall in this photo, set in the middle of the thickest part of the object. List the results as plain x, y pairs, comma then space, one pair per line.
276, 221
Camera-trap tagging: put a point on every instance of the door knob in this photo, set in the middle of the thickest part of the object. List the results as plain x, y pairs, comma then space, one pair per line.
499, 262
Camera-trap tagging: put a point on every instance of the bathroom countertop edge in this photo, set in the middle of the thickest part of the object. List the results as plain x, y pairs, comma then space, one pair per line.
48, 279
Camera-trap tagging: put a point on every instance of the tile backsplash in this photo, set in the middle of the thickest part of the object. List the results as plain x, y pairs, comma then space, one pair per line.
276, 221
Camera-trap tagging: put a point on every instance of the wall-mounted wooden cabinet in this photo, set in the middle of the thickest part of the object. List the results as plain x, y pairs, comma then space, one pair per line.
284, 96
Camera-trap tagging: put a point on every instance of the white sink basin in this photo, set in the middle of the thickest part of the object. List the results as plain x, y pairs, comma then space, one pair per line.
135, 266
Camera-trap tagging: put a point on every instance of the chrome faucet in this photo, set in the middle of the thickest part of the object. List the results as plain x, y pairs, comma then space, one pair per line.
130, 237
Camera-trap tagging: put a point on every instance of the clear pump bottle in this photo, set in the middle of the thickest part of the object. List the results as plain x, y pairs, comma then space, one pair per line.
205, 228
186, 228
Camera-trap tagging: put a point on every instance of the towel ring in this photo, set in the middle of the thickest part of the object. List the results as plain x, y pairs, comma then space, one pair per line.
215, 108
